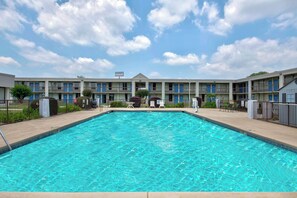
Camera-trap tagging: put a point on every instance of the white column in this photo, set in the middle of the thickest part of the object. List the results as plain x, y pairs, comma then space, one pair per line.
133, 88
249, 89
163, 91
147, 88
281, 81
46, 88
81, 87
197, 89
7, 94
230, 91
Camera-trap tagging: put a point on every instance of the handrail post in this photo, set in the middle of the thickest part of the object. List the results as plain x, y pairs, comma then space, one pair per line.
6, 142
7, 116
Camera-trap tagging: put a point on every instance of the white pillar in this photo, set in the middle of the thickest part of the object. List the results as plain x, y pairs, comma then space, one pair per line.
7, 94
249, 89
46, 84
230, 91
197, 89
163, 91
281, 81
133, 88
147, 88
81, 87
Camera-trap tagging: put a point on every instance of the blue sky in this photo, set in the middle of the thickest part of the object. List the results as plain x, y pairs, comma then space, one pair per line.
160, 38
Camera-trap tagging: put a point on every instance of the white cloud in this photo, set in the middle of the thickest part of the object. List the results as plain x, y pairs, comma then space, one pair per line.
4, 60
174, 59
85, 65
237, 12
285, 20
168, 13
242, 11
11, 20
250, 55
155, 74
214, 24
89, 22
39, 56
138, 43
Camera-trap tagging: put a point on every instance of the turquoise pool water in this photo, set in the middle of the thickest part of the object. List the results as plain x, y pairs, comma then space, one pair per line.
148, 151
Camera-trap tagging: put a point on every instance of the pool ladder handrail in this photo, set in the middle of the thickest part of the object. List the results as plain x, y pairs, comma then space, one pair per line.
5, 140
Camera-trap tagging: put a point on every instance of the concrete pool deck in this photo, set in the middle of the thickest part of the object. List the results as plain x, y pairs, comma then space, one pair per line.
19, 133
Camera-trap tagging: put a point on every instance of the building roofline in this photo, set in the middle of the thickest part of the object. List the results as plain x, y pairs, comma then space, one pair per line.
10, 75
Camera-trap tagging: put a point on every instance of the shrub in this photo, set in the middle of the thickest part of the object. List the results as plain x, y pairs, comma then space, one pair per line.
31, 113
70, 108
143, 93
35, 104
20, 92
87, 93
82, 102
117, 104
209, 105
178, 105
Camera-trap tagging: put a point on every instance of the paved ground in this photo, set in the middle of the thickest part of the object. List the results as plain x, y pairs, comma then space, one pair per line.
21, 132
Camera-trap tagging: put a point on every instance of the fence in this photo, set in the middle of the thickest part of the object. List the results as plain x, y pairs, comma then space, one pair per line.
282, 113
12, 111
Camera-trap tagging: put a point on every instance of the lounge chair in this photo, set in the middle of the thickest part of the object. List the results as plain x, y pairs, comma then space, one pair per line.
161, 104
152, 104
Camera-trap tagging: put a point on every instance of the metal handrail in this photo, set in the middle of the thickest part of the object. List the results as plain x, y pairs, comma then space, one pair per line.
5, 140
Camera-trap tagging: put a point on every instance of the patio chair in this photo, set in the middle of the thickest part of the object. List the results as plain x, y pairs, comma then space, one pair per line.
152, 104
161, 104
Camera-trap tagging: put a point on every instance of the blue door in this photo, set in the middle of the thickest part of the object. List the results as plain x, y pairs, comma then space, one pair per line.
181, 88
149, 88
175, 100
37, 86
70, 98
213, 88
98, 87
208, 88
275, 85
175, 88
275, 98
181, 98
65, 98
103, 87
65, 85
37, 96
32, 86
240, 89
70, 85
270, 97
270, 85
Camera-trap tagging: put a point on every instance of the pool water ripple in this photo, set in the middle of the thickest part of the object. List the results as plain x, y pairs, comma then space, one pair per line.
148, 151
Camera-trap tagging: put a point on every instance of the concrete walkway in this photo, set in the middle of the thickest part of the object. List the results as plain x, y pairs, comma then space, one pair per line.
19, 133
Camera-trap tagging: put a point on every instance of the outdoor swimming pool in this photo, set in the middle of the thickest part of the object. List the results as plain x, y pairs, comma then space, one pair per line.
148, 151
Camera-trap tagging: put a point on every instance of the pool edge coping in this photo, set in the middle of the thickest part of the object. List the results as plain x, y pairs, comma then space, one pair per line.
45, 134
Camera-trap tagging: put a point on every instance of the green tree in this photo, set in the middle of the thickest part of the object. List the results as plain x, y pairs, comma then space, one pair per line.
20, 92
143, 93
258, 73
87, 93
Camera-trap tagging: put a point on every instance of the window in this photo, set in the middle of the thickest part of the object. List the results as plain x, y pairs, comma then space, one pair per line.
290, 98
170, 97
111, 97
170, 87
125, 85
154, 86
110, 86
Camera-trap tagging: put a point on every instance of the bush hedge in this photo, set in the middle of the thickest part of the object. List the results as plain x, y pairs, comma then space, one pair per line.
209, 105
117, 104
